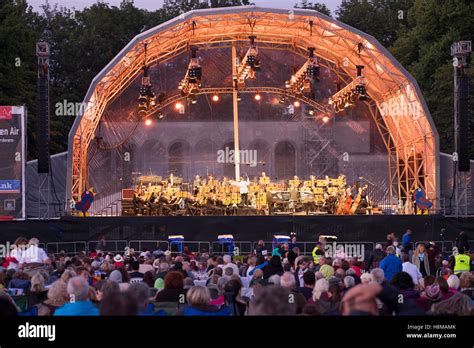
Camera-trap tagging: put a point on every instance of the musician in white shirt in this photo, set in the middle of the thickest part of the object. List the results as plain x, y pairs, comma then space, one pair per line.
244, 189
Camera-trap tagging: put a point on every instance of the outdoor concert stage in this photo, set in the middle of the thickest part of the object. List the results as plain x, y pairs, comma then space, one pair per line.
244, 228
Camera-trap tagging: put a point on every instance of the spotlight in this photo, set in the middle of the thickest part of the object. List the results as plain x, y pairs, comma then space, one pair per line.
215, 98
239, 98
282, 99
311, 112
160, 115
148, 122
325, 119
258, 97
296, 104
178, 106
193, 99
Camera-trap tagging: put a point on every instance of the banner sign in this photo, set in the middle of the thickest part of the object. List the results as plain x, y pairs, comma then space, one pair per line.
13, 161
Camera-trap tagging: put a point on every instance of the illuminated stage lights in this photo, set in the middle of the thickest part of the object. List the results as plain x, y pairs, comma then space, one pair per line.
296, 104
148, 122
239, 97
325, 119
192, 80
249, 64
282, 99
301, 79
178, 106
311, 112
147, 98
362, 92
313, 72
195, 74
160, 115
192, 99
258, 97
215, 98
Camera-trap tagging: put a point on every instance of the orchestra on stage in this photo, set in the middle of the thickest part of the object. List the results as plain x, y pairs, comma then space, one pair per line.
157, 196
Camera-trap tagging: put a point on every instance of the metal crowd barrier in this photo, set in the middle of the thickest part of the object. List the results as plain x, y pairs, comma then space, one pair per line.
445, 245
244, 247
69, 248
306, 248
141, 245
113, 246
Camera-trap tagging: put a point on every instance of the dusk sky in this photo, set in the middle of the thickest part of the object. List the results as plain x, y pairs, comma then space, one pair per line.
155, 4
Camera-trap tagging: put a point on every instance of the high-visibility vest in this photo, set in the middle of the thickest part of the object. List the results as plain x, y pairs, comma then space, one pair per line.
315, 256
462, 263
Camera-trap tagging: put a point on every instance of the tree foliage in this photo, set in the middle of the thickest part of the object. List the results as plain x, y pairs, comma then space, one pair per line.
314, 6
417, 32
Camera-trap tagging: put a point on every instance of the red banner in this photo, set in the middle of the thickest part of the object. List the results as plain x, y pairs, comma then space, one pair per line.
6, 112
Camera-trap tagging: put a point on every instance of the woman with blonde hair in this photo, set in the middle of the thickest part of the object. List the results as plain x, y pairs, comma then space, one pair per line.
57, 297
366, 278
198, 298
321, 286
420, 260
67, 274
37, 293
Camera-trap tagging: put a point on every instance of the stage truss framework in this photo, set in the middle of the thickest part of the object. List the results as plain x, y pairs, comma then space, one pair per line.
396, 104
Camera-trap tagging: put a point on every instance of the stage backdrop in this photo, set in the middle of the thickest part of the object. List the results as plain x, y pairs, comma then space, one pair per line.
12, 161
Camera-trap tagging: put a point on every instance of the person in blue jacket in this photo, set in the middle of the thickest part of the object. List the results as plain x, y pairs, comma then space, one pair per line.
391, 264
198, 298
79, 303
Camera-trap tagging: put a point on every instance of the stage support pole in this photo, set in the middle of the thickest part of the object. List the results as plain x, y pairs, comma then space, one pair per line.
236, 114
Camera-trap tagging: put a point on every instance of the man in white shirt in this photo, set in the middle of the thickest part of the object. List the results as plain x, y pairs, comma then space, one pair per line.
34, 254
228, 264
411, 269
244, 190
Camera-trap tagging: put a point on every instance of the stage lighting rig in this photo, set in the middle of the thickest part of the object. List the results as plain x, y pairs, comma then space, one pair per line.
147, 98
192, 80
301, 80
249, 64
348, 96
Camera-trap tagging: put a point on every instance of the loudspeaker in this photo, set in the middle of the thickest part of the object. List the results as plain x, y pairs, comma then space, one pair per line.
42, 125
464, 126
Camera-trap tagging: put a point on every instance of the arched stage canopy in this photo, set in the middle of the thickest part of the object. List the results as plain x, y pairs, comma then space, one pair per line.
397, 105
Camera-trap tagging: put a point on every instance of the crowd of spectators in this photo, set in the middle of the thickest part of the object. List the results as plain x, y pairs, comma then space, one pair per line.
404, 278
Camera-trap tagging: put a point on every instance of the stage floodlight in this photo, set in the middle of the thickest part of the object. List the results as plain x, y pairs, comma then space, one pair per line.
296, 104
215, 98
258, 97
148, 122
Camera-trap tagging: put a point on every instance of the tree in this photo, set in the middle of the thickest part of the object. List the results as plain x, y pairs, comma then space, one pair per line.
314, 6
423, 48
380, 18
18, 37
